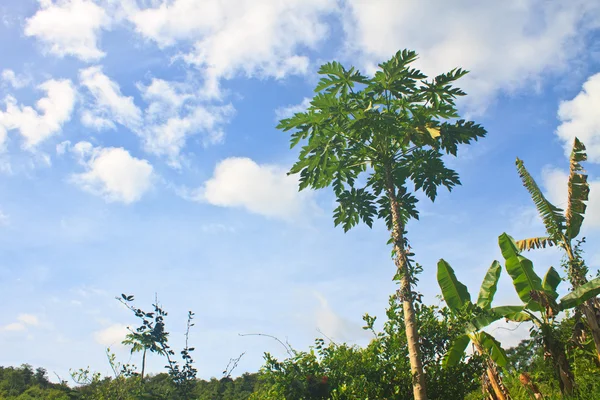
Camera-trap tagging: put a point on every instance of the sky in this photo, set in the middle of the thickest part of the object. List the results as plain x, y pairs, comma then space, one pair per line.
139, 155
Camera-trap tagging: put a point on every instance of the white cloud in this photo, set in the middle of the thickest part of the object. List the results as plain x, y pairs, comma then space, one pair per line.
108, 102
262, 189
16, 81
555, 180
62, 147
112, 335
335, 326
175, 111
222, 30
289, 111
4, 219
580, 117
52, 112
23, 322
506, 45
28, 319
69, 27
112, 173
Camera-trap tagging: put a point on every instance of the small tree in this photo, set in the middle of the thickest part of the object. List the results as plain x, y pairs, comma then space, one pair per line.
563, 228
540, 296
393, 129
458, 299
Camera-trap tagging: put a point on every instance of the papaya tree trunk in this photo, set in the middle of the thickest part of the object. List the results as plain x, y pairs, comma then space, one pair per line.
406, 297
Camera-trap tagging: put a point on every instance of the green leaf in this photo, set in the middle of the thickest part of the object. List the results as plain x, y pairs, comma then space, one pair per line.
492, 347
456, 351
552, 216
520, 269
578, 189
551, 282
581, 294
513, 313
489, 286
455, 293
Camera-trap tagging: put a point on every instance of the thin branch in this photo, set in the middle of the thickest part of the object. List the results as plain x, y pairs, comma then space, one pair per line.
287, 349
327, 337
233, 362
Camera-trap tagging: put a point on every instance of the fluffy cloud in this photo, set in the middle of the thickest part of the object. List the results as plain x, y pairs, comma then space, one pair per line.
22, 323
108, 102
111, 335
69, 27
52, 112
261, 189
335, 326
112, 173
221, 31
580, 117
507, 45
289, 111
175, 111
16, 81
555, 180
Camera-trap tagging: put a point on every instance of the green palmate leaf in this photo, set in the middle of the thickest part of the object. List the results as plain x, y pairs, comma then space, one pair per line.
535, 243
489, 286
579, 190
521, 271
455, 293
581, 294
551, 282
428, 172
552, 216
456, 351
492, 347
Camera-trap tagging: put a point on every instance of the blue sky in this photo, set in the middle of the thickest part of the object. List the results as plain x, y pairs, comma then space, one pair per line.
139, 155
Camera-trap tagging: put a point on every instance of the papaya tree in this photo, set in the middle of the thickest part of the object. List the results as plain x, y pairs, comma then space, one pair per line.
540, 296
562, 229
376, 140
458, 300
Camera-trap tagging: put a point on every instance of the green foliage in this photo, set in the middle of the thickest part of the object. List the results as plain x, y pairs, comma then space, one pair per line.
24, 383
390, 127
552, 216
521, 271
578, 190
378, 371
489, 286
455, 293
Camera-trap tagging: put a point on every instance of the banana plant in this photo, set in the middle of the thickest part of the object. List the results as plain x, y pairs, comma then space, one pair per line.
563, 227
458, 299
540, 296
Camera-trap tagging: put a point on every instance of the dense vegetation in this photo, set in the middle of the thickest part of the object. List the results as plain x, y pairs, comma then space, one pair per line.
376, 141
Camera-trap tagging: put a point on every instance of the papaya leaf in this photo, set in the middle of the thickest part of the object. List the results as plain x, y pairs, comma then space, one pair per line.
520, 269
581, 294
489, 286
455, 293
